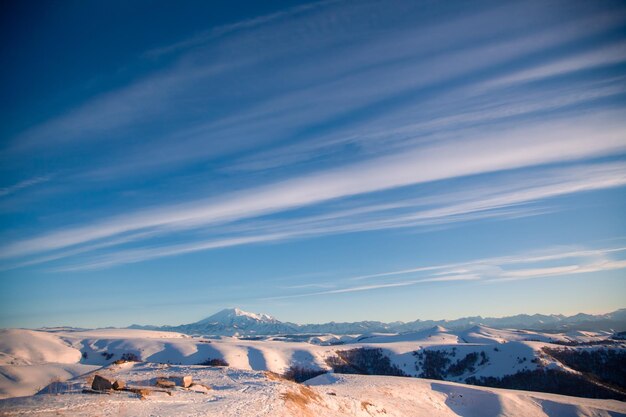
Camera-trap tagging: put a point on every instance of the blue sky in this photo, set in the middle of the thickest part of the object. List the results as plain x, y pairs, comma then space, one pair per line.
319, 161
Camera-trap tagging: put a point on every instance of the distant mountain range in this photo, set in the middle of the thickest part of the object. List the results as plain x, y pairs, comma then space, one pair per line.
236, 322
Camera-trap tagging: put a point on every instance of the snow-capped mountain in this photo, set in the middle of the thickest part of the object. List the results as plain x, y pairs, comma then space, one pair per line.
237, 317
234, 321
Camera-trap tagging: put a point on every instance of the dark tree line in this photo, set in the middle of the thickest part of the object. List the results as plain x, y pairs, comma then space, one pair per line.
214, 362
300, 374
605, 365
437, 364
364, 361
552, 381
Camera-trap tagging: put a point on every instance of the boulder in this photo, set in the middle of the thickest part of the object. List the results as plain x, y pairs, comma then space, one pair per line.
141, 392
101, 383
119, 384
172, 381
200, 388
164, 383
184, 381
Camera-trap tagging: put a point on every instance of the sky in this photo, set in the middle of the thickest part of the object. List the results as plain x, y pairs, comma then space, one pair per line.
334, 160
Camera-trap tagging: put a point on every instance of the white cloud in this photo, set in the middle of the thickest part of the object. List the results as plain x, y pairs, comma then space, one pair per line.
540, 144
23, 184
394, 62
484, 270
607, 55
496, 200
138, 255
518, 274
591, 260
219, 31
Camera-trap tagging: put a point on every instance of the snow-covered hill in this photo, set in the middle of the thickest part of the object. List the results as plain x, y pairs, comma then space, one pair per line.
31, 359
240, 393
233, 321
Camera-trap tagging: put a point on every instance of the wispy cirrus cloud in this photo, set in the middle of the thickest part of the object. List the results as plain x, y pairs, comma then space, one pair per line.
5, 191
546, 143
529, 273
484, 271
515, 195
207, 36
344, 81
413, 104
397, 120
593, 259
378, 286
607, 55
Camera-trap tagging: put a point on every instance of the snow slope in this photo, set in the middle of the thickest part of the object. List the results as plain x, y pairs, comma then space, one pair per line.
24, 380
243, 393
31, 359
24, 347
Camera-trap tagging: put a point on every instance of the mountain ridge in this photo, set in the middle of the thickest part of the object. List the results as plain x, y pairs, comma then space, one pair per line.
237, 322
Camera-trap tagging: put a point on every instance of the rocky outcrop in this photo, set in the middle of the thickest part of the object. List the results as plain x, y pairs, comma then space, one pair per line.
119, 385
170, 382
101, 383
